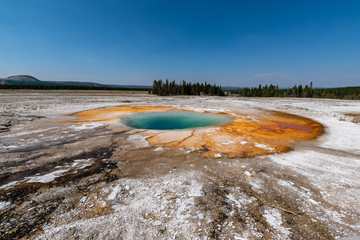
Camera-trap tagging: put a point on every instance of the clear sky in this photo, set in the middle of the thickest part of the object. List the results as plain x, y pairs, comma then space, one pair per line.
232, 43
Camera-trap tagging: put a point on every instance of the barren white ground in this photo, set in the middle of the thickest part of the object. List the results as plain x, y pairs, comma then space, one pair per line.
325, 182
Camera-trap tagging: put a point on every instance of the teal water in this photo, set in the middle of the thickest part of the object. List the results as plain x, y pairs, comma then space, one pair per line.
174, 120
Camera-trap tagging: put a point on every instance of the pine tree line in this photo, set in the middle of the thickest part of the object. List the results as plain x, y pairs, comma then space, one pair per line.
298, 91
171, 88
275, 91
166, 88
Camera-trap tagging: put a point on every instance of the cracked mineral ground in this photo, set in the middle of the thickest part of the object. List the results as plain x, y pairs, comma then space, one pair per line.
69, 168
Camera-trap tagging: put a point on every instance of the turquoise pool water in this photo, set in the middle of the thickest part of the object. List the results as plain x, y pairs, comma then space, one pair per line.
174, 120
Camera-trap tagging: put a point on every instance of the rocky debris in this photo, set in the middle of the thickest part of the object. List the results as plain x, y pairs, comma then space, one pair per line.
5, 126
137, 192
26, 216
8, 119
355, 117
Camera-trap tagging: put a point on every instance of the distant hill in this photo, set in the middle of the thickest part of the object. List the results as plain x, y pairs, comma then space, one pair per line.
26, 80
30, 80
20, 80
129, 86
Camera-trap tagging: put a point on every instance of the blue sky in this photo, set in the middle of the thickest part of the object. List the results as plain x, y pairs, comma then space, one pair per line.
232, 43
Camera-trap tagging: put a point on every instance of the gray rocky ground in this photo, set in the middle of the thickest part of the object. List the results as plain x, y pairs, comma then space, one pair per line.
60, 180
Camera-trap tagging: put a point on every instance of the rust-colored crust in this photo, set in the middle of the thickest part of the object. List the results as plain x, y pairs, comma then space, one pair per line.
250, 134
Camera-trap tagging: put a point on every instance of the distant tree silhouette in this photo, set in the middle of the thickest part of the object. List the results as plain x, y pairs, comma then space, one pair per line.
300, 92
171, 88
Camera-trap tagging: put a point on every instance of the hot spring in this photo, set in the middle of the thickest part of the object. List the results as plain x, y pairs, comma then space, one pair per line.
170, 120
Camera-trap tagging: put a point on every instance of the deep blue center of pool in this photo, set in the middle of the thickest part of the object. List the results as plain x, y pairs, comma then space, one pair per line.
174, 120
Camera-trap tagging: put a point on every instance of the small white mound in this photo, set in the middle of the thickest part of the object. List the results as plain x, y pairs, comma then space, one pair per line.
274, 218
47, 177
91, 125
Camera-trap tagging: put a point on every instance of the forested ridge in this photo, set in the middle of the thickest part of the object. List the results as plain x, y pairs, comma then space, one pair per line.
65, 87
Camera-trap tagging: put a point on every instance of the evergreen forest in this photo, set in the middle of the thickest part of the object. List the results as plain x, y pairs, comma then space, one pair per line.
166, 88
298, 91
